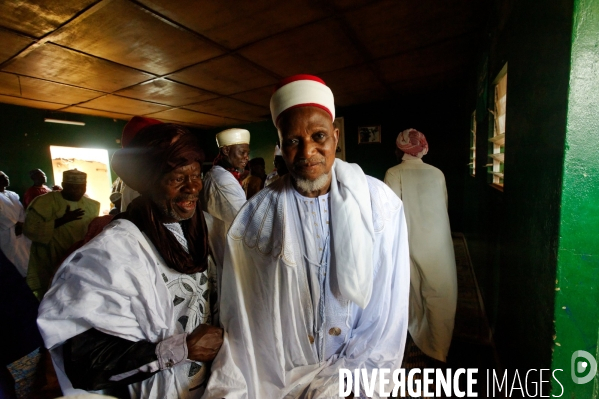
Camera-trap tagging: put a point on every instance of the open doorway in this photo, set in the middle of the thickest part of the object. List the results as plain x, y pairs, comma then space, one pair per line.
94, 162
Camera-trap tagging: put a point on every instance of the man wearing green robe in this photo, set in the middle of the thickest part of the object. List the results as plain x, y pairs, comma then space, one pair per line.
53, 222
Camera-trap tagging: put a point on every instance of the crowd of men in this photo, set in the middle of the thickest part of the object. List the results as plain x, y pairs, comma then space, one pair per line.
223, 284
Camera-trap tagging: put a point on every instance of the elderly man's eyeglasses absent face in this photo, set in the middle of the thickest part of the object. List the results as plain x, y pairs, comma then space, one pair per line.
73, 192
238, 155
309, 141
177, 193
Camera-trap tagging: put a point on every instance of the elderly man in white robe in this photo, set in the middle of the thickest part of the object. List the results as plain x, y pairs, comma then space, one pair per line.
316, 272
13, 242
433, 293
223, 195
130, 312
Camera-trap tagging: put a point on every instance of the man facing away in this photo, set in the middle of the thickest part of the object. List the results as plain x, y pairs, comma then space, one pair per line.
223, 195
255, 181
39, 186
316, 272
53, 222
433, 291
13, 243
131, 308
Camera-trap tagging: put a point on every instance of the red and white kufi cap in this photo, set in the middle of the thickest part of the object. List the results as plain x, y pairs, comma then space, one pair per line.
301, 91
412, 142
232, 137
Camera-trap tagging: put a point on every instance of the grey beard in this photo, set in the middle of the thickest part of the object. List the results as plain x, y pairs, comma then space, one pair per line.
309, 186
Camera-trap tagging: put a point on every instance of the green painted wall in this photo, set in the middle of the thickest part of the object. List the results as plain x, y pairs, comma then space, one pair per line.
513, 234
576, 310
26, 139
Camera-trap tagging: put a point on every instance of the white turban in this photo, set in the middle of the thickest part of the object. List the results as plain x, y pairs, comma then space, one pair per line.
301, 91
232, 137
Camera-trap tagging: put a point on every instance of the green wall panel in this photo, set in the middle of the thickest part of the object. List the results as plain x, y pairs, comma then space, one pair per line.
576, 310
26, 139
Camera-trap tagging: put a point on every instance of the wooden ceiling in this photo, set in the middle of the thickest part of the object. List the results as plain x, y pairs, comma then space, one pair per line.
210, 63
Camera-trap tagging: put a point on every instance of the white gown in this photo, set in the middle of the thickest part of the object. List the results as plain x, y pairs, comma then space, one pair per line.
433, 293
118, 284
222, 198
288, 327
15, 248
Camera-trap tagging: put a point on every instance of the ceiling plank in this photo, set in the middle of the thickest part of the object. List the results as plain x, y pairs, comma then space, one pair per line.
160, 47
224, 75
260, 96
314, 49
196, 118
29, 103
12, 44
61, 65
236, 23
125, 105
95, 112
164, 91
40, 17
231, 108
422, 23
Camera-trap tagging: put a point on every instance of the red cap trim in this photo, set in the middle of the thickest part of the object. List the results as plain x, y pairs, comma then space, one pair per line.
295, 78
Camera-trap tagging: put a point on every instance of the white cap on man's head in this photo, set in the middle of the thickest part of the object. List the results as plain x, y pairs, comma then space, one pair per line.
301, 91
232, 137
74, 176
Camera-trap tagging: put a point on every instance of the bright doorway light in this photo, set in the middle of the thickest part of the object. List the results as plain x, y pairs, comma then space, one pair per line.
94, 162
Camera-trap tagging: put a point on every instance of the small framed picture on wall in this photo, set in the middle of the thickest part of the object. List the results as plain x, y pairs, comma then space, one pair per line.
369, 134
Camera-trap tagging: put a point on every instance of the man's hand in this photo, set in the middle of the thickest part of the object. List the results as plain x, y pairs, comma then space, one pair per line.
204, 342
18, 228
69, 216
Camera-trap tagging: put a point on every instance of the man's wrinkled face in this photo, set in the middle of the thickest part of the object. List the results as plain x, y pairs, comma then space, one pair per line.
177, 193
238, 155
39, 178
4, 181
308, 142
73, 192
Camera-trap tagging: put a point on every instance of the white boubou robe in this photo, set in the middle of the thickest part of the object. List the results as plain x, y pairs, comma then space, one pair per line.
16, 248
289, 325
433, 294
119, 284
222, 198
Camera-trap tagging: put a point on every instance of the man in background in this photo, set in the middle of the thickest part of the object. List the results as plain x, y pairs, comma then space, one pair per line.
433, 290
223, 195
54, 222
255, 181
12, 241
39, 186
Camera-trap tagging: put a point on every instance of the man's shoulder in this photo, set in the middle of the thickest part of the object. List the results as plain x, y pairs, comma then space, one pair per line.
91, 202
118, 235
219, 176
12, 194
46, 199
385, 203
